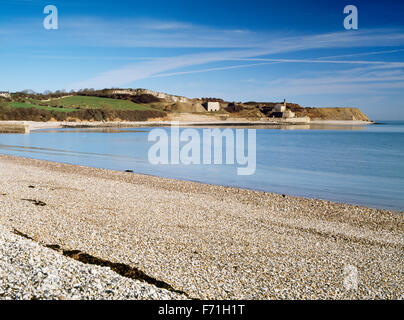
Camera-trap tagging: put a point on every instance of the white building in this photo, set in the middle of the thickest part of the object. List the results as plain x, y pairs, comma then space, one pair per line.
288, 114
5, 94
280, 107
212, 106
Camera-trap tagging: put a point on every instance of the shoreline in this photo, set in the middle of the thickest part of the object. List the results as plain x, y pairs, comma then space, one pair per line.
212, 242
33, 125
391, 210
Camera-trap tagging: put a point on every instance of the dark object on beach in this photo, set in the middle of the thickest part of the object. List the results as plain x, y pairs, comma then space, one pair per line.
31, 187
284, 196
53, 247
130, 171
120, 268
4, 194
36, 202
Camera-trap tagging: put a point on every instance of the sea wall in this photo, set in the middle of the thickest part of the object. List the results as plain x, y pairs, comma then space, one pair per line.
10, 127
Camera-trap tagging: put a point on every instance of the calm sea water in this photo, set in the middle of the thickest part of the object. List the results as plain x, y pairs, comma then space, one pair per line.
359, 165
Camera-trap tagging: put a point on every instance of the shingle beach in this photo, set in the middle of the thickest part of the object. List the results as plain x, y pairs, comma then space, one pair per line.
83, 233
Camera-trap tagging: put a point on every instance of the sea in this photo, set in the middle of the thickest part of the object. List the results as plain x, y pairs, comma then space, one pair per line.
361, 165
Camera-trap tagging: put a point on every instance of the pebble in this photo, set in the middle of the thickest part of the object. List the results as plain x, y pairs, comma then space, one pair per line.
282, 247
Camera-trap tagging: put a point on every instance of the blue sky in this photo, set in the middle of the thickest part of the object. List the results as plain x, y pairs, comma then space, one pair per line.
236, 50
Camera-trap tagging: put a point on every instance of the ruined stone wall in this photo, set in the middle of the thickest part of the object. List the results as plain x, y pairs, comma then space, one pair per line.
160, 95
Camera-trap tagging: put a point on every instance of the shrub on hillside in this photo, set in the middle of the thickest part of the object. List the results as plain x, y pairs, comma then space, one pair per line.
105, 114
145, 98
232, 107
3, 103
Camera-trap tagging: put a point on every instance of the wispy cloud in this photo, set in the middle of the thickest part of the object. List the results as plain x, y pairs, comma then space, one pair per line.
275, 45
364, 80
94, 31
91, 31
215, 46
367, 62
142, 70
312, 89
213, 69
362, 54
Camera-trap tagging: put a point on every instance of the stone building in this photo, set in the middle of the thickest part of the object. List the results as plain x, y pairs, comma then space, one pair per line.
212, 106
5, 94
280, 107
288, 114
281, 111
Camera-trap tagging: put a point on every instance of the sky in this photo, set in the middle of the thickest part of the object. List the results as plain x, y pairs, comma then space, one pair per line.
236, 50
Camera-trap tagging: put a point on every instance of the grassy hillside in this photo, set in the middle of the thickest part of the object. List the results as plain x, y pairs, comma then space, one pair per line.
69, 104
109, 105
35, 106
74, 108
86, 102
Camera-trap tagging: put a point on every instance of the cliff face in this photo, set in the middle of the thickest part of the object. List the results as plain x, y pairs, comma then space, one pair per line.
333, 114
160, 95
173, 103
315, 113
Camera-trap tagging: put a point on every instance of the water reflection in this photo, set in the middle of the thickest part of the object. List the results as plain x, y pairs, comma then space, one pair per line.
89, 130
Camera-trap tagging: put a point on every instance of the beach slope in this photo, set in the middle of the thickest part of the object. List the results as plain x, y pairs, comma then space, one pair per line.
204, 241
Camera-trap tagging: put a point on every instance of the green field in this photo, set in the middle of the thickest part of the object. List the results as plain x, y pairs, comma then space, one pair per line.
85, 102
27, 105
75, 103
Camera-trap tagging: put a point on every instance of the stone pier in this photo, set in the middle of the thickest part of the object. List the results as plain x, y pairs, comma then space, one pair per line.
14, 127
